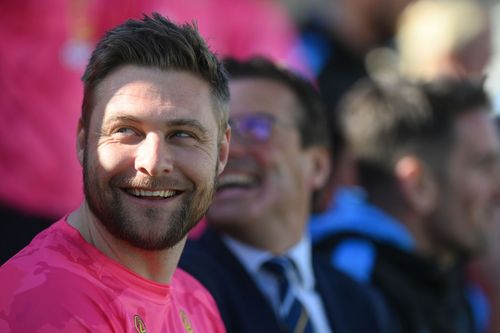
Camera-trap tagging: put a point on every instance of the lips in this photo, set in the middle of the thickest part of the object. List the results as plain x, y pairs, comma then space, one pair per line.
236, 180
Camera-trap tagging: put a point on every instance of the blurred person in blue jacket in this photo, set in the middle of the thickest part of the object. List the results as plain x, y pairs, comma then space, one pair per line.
427, 160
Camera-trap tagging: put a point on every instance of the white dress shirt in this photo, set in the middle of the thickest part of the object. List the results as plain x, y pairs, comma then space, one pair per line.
302, 285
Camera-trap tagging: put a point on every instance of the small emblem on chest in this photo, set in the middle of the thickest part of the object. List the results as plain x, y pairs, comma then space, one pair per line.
140, 327
186, 322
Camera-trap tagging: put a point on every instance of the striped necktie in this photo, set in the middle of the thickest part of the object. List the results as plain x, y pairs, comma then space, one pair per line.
293, 315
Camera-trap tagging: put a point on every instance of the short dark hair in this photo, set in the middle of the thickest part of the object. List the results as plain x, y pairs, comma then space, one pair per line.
383, 121
311, 121
154, 41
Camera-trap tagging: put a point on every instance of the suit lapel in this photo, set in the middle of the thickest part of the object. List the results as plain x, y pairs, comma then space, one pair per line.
253, 306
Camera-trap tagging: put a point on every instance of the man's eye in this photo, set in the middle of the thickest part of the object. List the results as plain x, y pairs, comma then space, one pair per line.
181, 135
125, 131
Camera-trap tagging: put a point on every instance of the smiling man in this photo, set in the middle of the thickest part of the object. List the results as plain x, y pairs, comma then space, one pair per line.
255, 258
152, 138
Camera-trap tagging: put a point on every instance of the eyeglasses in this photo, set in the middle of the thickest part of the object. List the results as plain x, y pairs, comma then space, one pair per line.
255, 127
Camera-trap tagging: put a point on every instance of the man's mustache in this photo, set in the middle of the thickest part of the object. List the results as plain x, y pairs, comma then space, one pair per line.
152, 183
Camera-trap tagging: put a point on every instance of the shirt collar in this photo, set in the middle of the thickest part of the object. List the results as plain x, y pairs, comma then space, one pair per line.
252, 258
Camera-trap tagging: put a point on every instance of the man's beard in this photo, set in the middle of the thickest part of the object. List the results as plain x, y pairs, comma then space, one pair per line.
112, 213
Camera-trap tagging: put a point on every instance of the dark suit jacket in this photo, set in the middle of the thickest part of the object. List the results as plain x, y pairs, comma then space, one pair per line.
349, 306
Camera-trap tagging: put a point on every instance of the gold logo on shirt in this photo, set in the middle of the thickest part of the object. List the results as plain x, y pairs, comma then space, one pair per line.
139, 324
186, 322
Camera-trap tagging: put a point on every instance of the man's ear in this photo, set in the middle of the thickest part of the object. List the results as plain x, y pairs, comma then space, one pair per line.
417, 184
224, 150
80, 141
320, 166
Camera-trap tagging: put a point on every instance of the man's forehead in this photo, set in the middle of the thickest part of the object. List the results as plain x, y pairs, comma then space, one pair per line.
473, 120
137, 89
476, 130
149, 82
262, 95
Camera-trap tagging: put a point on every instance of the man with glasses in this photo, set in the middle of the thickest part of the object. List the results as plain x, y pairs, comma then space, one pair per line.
255, 257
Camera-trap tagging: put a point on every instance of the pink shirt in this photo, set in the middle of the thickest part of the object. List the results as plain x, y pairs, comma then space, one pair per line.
61, 283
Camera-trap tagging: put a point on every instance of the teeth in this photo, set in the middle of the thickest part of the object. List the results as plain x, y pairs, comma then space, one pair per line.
235, 180
145, 193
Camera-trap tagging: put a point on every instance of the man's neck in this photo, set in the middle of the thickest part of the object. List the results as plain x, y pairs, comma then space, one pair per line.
426, 247
274, 240
157, 266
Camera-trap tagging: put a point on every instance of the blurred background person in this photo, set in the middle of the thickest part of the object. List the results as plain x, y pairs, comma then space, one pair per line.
255, 257
493, 80
454, 39
337, 40
446, 38
439, 38
485, 271
242, 28
427, 161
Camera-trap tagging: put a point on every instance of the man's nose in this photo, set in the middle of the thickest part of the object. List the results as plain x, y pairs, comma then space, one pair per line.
153, 157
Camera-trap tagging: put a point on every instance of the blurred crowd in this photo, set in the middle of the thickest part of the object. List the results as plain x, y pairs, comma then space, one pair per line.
336, 44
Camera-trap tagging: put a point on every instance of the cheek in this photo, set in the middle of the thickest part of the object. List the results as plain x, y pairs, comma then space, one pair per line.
112, 160
198, 168
460, 201
478, 191
471, 206
293, 170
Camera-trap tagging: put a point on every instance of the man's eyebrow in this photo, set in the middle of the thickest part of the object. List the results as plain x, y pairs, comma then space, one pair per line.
118, 118
193, 123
